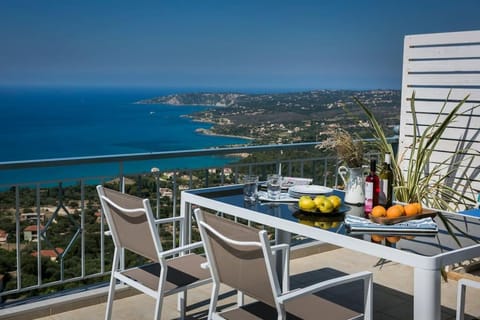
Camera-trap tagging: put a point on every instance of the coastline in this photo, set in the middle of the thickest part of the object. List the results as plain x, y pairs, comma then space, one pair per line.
175, 101
179, 104
209, 132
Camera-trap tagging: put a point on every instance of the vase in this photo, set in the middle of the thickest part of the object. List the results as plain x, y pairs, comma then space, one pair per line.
354, 181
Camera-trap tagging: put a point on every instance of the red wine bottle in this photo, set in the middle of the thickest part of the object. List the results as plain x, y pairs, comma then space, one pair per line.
386, 183
372, 189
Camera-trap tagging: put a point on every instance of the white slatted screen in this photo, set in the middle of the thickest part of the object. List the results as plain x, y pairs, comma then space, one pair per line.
434, 64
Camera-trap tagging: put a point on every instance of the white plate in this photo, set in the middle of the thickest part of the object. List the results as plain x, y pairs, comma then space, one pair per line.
308, 190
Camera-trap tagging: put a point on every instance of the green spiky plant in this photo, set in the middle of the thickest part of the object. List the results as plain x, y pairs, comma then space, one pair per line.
421, 182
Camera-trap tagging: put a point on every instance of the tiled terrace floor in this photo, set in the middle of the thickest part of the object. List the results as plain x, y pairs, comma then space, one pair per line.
392, 292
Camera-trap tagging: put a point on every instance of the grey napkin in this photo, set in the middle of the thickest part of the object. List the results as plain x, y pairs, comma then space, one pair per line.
359, 224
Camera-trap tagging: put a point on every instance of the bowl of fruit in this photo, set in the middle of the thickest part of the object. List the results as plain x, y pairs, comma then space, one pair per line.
322, 205
399, 213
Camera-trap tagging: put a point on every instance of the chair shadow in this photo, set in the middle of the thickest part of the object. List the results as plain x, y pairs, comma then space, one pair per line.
388, 304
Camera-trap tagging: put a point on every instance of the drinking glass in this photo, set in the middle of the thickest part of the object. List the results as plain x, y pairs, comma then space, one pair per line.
274, 186
250, 187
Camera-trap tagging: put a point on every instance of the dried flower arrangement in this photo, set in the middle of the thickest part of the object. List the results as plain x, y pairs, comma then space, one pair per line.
348, 149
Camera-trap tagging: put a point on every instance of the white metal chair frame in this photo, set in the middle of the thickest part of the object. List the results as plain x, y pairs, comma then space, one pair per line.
281, 295
461, 290
116, 273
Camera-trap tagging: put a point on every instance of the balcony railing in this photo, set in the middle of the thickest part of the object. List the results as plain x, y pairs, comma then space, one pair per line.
57, 236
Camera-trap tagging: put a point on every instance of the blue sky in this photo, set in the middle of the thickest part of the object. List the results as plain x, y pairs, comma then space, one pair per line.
240, 44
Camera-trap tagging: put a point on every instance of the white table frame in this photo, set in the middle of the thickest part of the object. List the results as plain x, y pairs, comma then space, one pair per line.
427, 278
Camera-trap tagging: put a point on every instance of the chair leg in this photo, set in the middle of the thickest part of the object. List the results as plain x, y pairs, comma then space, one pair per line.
160, 290
282, 313
213, 300
111, 296
182, 304
461, 292
368, 297
460, 301
240, 298
158, 307
113, 282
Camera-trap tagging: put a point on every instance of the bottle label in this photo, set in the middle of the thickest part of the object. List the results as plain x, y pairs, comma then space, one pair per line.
368, 196
383, 196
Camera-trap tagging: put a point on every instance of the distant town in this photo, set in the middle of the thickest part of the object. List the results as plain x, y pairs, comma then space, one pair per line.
287, 117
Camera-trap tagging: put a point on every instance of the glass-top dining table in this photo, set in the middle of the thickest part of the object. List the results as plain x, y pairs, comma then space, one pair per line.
427, 254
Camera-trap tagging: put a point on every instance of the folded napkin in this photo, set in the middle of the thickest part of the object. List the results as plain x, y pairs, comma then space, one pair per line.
359, 224
288, 182
284, 197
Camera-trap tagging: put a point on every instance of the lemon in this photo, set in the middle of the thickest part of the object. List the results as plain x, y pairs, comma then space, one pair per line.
318, 200
337, 202
326, 206
306, 203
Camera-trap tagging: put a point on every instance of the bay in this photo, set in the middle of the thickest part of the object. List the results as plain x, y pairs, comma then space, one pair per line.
46, 123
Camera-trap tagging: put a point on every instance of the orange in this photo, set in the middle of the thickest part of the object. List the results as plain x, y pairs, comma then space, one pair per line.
419, 207
393, 239
395, 211
378, 211
400, 207
377, 238
410, 209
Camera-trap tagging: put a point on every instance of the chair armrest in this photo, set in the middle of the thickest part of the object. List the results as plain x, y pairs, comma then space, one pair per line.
168, 220
469, 283
364, 275
178, 250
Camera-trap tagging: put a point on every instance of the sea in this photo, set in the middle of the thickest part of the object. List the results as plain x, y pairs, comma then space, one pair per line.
63, 122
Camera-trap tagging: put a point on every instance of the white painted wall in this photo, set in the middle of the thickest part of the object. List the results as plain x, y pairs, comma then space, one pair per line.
434, 64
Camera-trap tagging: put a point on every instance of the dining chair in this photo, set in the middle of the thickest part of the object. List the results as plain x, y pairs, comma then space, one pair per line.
241, 257
461, 291
133, 228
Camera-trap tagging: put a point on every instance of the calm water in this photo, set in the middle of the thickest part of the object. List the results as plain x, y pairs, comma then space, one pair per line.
56, 123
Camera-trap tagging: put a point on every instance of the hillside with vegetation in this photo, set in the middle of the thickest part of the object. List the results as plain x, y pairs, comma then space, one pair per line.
288, 117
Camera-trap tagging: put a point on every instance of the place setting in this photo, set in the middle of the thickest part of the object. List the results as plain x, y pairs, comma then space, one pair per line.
274, 189
290, 190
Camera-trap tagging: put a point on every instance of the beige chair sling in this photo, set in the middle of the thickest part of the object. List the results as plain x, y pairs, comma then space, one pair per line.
241, 257
134, 228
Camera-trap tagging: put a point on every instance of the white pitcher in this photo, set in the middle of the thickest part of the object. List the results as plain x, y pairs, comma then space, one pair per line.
354, 181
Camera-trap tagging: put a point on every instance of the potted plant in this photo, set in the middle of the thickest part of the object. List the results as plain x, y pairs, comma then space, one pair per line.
419, 180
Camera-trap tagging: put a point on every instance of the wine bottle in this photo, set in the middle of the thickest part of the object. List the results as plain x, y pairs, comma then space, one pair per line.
372, 189
386, 183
